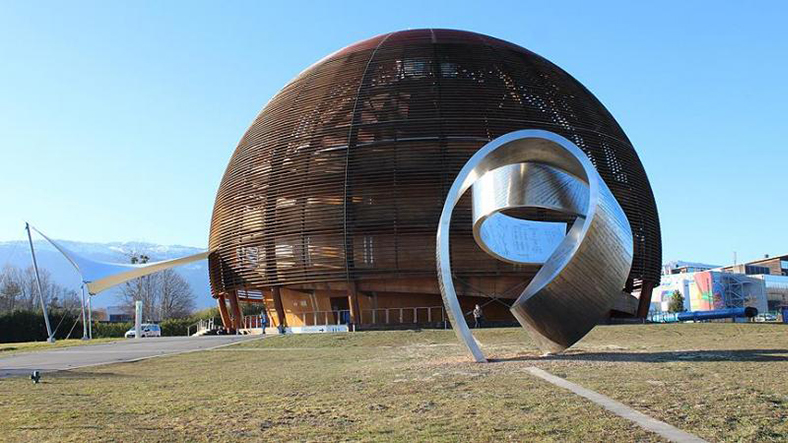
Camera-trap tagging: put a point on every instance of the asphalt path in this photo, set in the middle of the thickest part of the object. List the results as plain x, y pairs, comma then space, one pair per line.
126, 350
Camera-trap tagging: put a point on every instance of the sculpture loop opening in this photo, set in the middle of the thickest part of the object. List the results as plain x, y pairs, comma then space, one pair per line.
581, 236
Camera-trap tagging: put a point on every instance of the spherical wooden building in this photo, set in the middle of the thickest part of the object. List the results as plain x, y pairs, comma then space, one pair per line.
328, 209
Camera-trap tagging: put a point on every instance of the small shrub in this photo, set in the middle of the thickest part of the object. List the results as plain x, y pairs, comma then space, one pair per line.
676, 303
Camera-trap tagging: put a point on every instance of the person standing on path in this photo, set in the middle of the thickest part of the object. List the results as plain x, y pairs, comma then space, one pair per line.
478, 316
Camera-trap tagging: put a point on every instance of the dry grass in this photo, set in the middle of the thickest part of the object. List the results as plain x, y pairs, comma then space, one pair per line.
719, 381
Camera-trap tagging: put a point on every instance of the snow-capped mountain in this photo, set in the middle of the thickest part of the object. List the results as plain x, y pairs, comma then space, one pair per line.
17, 253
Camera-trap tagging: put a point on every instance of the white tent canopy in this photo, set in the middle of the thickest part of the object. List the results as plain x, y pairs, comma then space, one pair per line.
99, 276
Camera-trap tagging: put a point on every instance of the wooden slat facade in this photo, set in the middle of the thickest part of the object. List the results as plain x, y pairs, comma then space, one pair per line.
342, 176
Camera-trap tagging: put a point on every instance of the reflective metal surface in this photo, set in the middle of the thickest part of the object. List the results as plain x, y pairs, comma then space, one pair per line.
530, 170
527, 188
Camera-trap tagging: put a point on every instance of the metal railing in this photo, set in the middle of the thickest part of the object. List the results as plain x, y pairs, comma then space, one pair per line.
401, 316
339, 317
379, 316
369, 317
202, 325
253, 321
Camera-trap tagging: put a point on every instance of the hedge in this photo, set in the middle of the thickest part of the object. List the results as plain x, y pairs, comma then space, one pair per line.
110, 330
28, 325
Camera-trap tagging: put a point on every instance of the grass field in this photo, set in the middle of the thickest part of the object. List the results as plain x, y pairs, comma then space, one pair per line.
7, 349
722, 382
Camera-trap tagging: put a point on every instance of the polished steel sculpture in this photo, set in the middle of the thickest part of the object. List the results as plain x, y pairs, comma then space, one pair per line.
514, 177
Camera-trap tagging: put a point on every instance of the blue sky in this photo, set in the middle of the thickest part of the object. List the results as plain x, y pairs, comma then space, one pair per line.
117, 119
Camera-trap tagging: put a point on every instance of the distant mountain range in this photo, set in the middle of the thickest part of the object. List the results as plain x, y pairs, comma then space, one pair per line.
17, 253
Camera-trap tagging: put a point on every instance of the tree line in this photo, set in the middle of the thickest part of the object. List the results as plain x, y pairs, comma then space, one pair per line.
18, 290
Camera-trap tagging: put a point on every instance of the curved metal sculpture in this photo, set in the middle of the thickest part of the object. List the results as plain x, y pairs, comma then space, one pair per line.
521, 172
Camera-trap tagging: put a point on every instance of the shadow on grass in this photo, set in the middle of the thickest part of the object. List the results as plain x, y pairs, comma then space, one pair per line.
47, 376
77, 375
738, 355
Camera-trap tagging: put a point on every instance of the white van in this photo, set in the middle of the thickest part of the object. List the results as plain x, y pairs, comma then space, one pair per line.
148, 330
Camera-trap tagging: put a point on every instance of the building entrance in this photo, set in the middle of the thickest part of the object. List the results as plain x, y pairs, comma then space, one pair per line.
340, 309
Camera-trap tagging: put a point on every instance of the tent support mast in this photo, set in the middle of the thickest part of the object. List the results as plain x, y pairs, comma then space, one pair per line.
50, 338
84, 319
90, 317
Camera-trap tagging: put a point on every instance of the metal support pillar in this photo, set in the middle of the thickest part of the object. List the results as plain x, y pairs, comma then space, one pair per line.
279, 306
222, 302
644, 302
138, 319
236, 310
50, 337
352, 298
84, 317
90, 316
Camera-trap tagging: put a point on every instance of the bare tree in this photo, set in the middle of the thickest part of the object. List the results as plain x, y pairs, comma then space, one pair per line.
65, 298
18, 290
140, 289
176, 298
164, 294
26, 279
10, 291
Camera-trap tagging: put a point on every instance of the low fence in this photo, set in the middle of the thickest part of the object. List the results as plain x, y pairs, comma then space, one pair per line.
395, 316
315, 318
253, 321
202, 325
419, 315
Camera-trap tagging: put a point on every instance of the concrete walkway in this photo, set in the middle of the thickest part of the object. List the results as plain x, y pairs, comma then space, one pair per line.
124, 350
665, 430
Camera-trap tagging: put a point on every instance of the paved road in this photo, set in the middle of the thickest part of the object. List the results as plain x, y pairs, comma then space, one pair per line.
116, 352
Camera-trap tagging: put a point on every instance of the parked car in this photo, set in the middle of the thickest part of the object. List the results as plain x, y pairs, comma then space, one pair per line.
766, 316
148, 330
